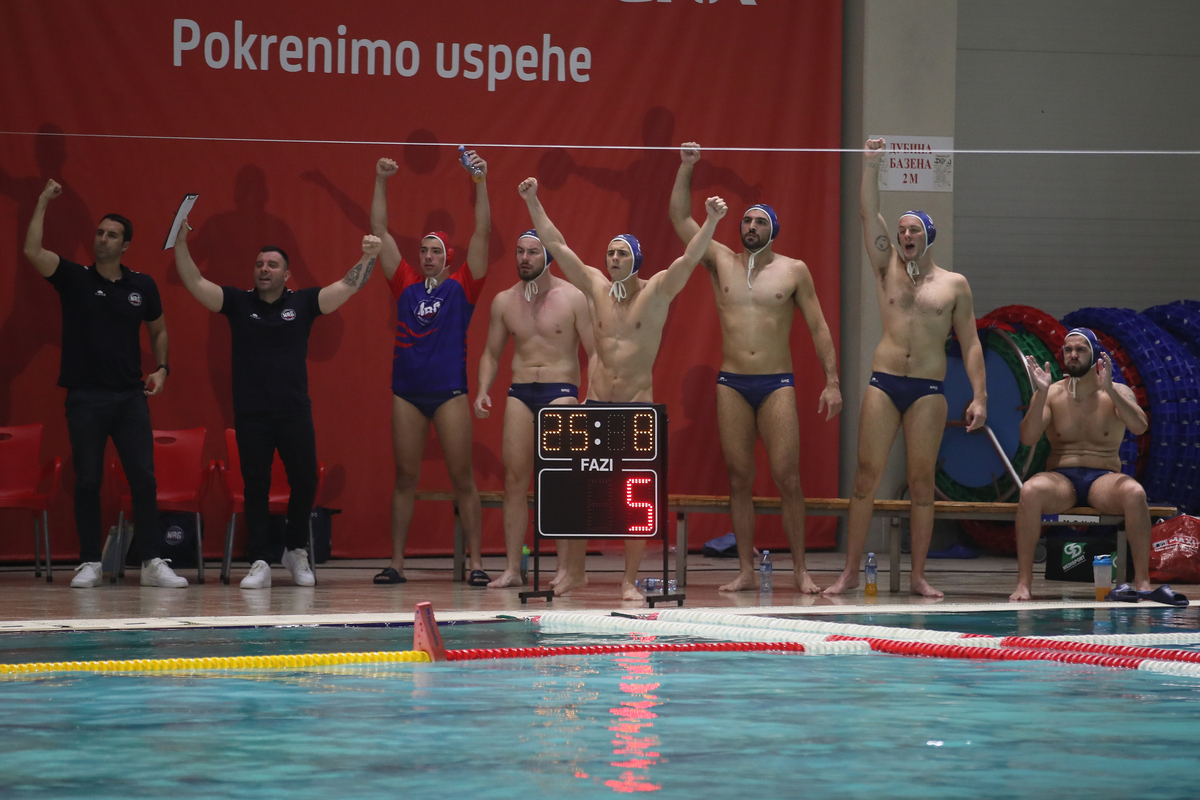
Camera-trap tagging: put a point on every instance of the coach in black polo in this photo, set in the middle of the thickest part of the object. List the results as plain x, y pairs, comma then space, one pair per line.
103, 308
272, 410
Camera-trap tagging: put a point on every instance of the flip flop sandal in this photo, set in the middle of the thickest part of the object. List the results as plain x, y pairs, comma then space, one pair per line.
388, 576
478, 578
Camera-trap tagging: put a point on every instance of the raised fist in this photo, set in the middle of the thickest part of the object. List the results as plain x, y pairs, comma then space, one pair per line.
528, 188
689, 152
386, 168
873, 150
715, 207
371, 245
53, 189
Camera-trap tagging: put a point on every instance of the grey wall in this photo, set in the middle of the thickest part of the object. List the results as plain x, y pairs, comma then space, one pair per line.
1061, 232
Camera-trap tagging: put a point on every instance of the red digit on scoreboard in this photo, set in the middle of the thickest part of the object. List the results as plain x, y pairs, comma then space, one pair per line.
642, 504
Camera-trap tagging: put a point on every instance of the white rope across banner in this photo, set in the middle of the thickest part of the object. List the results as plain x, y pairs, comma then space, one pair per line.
561, 146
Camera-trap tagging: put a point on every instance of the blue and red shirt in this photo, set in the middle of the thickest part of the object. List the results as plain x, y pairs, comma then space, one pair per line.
431, 330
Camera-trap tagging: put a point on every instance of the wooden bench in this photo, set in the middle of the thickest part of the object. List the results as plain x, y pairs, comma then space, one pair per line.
683, 505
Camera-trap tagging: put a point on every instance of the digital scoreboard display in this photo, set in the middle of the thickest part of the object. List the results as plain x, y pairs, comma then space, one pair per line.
601, 471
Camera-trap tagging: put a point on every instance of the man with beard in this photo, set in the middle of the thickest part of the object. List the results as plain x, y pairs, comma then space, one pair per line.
429, 362
104, 306
1084, 416
756, 393
627, 315
919, 303
548, 319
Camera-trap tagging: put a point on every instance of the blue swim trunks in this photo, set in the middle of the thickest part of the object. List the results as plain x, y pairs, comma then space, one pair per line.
429, 402
614, 403
1082, 479
536, 395
755, 388
904, 391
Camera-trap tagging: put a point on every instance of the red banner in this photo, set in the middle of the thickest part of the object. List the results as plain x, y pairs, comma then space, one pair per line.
276, 119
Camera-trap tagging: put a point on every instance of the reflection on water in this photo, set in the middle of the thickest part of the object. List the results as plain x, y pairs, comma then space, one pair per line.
636, 749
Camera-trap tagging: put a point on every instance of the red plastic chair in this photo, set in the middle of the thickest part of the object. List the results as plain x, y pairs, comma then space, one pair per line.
20, 476
277, 499
181, 477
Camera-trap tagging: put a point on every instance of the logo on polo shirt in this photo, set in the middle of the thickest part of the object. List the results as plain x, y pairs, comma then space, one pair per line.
135, 299
100, 293
288, 314
426, 311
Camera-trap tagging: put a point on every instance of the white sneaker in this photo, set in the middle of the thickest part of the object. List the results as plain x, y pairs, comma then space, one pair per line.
259, 577
296, 562
90, 574
156, 572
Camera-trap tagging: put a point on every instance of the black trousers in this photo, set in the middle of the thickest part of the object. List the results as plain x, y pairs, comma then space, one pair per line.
94, 415
259, 436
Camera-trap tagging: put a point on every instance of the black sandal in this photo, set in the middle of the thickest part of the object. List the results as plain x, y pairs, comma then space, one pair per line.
388, 576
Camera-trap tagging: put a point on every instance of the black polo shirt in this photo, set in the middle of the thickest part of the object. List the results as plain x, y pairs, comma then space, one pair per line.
102, 320
270, 348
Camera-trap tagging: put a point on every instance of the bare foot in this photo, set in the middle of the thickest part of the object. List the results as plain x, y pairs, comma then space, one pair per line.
1022, 593
919, 586
568, 582
744, 582
558, 576
630, 592
510, 577
845, 582
805, 584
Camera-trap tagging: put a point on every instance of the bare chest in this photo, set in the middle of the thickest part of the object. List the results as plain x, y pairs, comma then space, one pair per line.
931, 297
1088, 420
770, 289
544, 318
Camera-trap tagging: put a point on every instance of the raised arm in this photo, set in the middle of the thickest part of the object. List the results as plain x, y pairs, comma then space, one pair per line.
581, 276
332, 296
389, 256
1037, 418
1124, 401
680, 209
672, 280
810, 306
972, 352
477, 249
489, 359
879, 246
204, 290
44, 261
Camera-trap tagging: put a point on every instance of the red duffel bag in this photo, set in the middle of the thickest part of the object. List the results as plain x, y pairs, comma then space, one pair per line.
1175, 550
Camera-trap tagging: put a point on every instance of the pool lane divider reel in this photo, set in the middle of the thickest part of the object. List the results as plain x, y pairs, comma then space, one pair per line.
600, 472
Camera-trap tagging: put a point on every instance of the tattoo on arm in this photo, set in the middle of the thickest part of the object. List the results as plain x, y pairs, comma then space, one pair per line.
357, 275
859, 496
882, 243
923, 503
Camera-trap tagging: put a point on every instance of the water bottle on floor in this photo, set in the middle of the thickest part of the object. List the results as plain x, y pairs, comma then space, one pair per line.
872, 570
524, 564
765, 570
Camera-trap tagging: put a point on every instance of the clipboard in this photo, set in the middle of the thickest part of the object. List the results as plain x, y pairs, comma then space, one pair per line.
189, 200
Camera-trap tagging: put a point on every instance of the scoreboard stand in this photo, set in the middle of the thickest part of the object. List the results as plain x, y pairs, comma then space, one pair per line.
600, 472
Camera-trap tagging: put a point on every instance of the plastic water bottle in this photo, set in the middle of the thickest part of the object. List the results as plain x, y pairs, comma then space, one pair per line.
524, 564
765, 570
672, 586
476, 172
872, 570
649, 585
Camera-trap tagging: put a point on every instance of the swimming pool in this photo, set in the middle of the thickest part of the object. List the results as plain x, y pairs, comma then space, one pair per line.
688, 725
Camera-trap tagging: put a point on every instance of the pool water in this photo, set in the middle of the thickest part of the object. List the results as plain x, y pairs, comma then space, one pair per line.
685, 724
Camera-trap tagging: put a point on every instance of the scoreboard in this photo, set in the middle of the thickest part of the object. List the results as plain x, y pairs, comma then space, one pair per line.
601, 471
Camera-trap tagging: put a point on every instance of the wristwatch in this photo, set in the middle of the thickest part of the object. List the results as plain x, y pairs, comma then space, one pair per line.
164, 366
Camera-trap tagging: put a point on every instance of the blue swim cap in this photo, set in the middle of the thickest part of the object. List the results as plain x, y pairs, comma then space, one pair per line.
631, 240
770, 212
926, 223
532, 234
1093, 343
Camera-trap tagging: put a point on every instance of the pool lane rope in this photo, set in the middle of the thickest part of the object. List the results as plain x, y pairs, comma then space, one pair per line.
907, 642
217, 663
